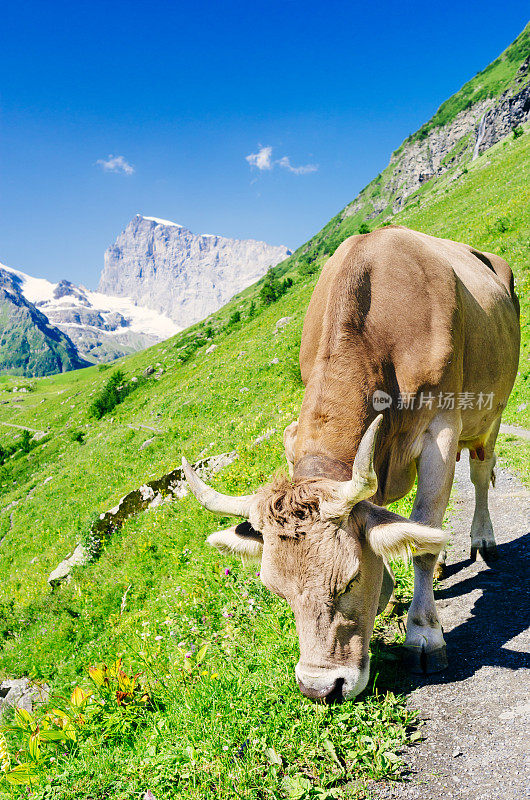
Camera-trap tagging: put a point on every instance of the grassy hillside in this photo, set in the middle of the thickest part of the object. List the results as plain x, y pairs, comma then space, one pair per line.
233, 725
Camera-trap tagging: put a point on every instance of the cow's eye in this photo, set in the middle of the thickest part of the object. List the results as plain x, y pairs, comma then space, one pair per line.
349, 586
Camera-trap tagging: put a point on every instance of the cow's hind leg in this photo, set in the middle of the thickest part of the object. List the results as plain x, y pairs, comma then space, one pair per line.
424, 644
481, 472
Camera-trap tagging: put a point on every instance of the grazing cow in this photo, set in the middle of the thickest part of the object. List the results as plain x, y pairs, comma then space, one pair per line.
427, 329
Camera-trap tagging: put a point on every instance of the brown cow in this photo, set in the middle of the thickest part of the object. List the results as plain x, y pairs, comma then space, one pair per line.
428, 329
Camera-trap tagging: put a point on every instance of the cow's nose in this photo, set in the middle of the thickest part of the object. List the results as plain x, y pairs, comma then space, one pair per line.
329, 694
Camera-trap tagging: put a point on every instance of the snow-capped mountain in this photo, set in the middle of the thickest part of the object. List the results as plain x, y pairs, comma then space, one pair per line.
158, 278
102, 327
29, 345
184, 275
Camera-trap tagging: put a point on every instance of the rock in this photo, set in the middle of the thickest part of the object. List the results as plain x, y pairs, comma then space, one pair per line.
158, 500
440, 148
146, 492
186, 276
148, 371
262, 437
147, 443
282, 323
22, 693
244, 389
275, 361
509, 112
62, 572
210, 349
170, 486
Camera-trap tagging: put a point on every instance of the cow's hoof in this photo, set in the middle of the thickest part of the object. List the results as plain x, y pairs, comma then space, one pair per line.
419, 661
439, 570
488, 551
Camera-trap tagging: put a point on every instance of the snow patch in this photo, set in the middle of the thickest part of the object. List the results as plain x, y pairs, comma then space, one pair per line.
40, 292
161, 221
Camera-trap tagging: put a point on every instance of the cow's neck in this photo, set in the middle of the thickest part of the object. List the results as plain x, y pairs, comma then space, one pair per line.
335, 414
319, 466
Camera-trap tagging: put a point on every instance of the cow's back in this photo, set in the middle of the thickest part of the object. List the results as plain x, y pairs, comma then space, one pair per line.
430, 309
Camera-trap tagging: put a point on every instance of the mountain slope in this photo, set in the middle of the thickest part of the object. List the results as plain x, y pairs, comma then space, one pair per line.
29, 345
186, 276
155, 273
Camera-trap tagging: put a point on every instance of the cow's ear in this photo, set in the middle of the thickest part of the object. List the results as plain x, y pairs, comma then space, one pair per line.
240, 540
392, 536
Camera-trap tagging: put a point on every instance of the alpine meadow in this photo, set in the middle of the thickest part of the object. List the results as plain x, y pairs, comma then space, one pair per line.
169, 665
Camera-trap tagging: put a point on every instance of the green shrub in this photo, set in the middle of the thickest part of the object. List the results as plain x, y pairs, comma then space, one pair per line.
518, 131
307, 265
25, 442
501, 225
25, 445
234, 319
112, 393
364, 228
272, 288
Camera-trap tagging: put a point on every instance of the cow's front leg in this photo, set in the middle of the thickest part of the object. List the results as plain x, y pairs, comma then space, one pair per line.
424, 644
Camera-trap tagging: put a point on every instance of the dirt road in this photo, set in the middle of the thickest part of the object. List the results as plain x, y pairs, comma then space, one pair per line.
477, 713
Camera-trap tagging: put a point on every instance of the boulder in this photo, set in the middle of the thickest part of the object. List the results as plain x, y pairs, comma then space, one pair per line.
169, 487
282, 323
62, 571
22, 693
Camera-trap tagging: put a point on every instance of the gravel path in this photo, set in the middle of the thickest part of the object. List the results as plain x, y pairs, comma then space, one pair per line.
515, 430
477, 713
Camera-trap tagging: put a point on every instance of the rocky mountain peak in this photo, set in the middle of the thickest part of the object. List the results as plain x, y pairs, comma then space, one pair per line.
186, 276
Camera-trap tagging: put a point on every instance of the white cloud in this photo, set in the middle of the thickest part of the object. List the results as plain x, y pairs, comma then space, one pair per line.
115, 164
303, 169
262, 160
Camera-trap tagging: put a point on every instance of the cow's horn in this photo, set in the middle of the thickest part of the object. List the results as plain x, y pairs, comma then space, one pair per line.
363, 483
215, 501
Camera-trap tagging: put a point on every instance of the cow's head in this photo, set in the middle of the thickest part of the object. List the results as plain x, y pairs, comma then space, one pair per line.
323, 548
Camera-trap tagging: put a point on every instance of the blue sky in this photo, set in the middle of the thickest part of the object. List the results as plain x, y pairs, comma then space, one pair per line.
180, 94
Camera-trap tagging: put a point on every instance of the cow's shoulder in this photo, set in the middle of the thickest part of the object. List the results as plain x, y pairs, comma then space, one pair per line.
391, 295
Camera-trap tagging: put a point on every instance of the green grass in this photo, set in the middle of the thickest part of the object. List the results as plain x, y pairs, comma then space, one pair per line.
207, 731
514, 453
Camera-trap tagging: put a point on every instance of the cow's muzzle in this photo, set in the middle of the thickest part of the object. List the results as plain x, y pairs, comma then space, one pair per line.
332, 685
